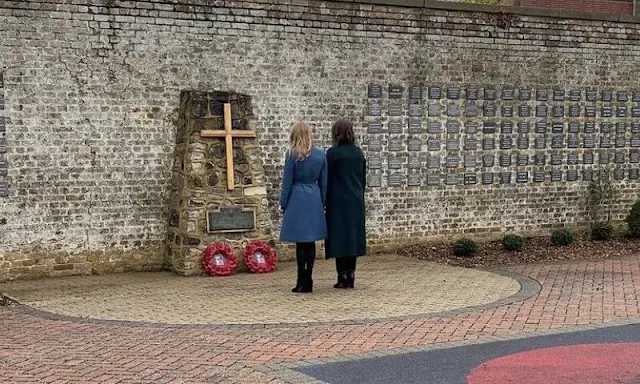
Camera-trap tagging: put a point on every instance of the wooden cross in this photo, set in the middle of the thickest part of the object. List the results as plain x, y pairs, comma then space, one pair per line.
228, 135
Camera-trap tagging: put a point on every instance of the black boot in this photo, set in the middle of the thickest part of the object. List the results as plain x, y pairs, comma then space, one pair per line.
342, 281
299, 285
307, 283
351, 278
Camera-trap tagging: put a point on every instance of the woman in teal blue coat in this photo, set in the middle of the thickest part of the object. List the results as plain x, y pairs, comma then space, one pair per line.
302, 200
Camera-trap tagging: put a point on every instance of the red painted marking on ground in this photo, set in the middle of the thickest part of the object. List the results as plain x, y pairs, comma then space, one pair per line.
571, 364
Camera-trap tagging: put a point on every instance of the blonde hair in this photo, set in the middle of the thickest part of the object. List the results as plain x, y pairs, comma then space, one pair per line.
300, 140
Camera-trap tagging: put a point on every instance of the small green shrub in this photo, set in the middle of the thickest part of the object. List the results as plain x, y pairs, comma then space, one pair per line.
513, 243
465, 247
633, 220
561, 237
602, 231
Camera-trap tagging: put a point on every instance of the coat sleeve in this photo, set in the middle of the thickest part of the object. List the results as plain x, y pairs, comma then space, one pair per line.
287, 180
364, 173
324, 180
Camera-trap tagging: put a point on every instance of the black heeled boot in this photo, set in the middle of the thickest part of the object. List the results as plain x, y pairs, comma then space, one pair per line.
307, 283
342, 281
351, 278
299, 285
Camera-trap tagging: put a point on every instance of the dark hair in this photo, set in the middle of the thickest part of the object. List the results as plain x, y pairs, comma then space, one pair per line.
342, 132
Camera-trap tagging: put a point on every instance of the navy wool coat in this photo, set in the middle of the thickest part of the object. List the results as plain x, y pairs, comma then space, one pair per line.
302, 196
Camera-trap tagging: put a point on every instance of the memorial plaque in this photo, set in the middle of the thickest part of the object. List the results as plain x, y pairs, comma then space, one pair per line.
414, 180
635, 112
415, 92
472, 93
523, 142
435, 93
621, 112
374, 127
634, 156
634, 174
394, 163
507, 111
590, 127
557, 141
591, 95
415, 125
572, 141
572, 175
374, 162
556, 175
470, 178
470, 161
471, 128
453, 93
395, 126
622, 96
525, 94
636, 97
508, 94
487, 178
525, 110
574, 111
606, 112
604, 158
434, 127
433, 162
557, 127
621, 141
522, 177
541, 127
414, 145
574, 127
590, 111
452, 162
541, 143
587, 158
542, 110
538, 176
394, 180
375, 144
395, 91
3, 145
606, 127
434, 110
375, 91
505, 160
507, 128
635, 127
523, 160
4, 189
618, 173
472, 110
540, 159
572, 159
453, 110
488, 160
607, 96
453, 127
470, 143
395, 145
558, 111
489, 110
605, 141
395, 108
490, 94
452, 145
542, 95
621, 127
505, 177
433, 180
452, 179
620, 157
575, 95
433, 145
415, 162
415, 110
556, 159
558, 95
231, 220
635, 141
506, 142
524, 127
488, 143
489, 127
375, 108
587, 175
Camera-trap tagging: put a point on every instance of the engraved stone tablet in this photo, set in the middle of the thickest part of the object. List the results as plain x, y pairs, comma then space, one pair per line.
508, 94
572, 141
453, 127
433, 145
636, 97
471, 128
575, 95
621, 141
558, 95
470, 143
556, 159
488, 160
231, 220
590, 111
538, 176
414, 180
522, 177
395, 91
415, 125
490, 94
395, 108
607, 96
557, 141
587, 175
634, 174
606, 112
541, 127
558, 111
557, 127
524, 110
574, 111
415, 109
605, 141
574, 127
507, 111
506, 142
375, 91
525, 94
523, 160
375, 108
620, 157
622, 96
435, 93
470, 178
453, 93
394, 180
415, 92
433, 180
415, 162
395, 126
591, 95
572, 175
374, 127
618, 174
524, 127
487, 178
635, 141
505, 160
587, 158
572, 159
375, 144
542, 110
452, 162
452, 179
505, 177
621, 112
3, 145
489, 127
507, 127
635, 112
523, 142
590, 127
414, 145
540, 159
453, 110
556, 175
434, 110
541, 143
488, 143
606, 127
635, 127
472, 93
489, 110
394, 163
634, 156
589, 141
452, 145
604, 158
374, 162
472, 110
433, 162
542, 95
470, 161
395, 145
434, 127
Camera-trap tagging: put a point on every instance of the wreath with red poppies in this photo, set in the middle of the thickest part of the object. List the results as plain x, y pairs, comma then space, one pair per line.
218, 259
260, 257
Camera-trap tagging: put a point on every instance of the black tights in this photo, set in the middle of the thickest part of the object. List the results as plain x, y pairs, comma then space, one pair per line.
306, 256
344, 264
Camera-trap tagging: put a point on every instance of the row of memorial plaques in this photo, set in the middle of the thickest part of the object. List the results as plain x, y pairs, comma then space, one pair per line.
415, 92
491, 110
504, 160
416, 179
4, 165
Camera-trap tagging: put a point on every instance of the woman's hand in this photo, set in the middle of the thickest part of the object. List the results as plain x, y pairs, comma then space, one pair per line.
280, 210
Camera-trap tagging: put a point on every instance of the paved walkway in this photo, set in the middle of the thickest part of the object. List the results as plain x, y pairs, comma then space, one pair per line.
40, 348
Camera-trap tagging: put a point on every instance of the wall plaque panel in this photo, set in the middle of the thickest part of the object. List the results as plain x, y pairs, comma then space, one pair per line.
434, 127
435, 93
470, 143
374, 127
414, 145
452, 179
453, 127
395, 91
538, 176
374, 162
591, 94
487, 178
415, 110
434, 110
472, 93
433, 145
375, 91
415, 92
395, 126
470, 178
542, 95
523, 142
375, 108
394, 180
415, 125
488, 161
395, 108
542, 110
414, 180
522, 177
541, 127
433, 180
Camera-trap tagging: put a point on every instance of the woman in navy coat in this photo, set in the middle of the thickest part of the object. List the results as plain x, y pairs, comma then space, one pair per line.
302, 199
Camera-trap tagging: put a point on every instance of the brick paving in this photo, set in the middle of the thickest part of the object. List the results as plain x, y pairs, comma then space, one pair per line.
41, 349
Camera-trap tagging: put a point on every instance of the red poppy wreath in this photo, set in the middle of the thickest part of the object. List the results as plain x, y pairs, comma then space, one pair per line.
218, 259
260, 257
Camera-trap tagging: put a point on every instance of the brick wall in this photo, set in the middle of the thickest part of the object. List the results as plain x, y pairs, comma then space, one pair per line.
91, 93
621, 7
